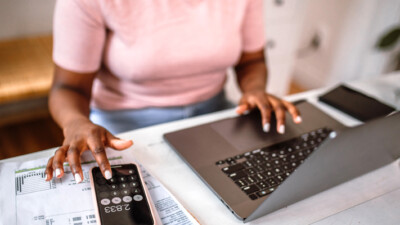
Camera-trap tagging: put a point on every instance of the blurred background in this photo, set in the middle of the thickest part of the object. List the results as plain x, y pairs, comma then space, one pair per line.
310, 44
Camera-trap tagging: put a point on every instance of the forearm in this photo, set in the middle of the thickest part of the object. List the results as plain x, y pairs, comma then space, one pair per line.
251, 72
252, 77
67, 105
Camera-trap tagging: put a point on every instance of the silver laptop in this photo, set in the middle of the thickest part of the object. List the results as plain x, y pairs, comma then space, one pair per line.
255, 173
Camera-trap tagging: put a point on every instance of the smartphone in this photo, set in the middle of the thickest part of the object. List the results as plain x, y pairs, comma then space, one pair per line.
123, 199
356, 104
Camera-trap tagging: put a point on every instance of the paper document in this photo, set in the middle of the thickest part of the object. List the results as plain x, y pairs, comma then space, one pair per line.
26, 198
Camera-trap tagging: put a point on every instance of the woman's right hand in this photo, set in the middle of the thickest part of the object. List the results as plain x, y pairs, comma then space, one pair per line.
81, 135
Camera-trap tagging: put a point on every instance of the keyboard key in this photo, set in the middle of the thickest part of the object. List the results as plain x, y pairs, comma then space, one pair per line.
250, 171
264, 192
258, 160
248, 164
240, 183
259, 168
280, 178
268, 173
237, 175
253, 196
220, 162
256, 178
230, 161
262, 185
250, 189
267, 166
251, 179
261, 176
248, 180
232, 168
272, 182
238, 157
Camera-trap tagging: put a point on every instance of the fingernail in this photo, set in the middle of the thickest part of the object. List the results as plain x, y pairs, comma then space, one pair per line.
45, 177
107, 174
281, 129
58, 172
298, 119
266, 127
246, 112
78, 178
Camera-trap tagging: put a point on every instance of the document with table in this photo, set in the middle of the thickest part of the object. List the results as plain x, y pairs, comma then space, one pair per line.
29, 199
373, 198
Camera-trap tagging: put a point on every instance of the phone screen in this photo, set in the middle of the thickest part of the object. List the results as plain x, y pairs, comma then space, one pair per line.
356, 104
121, 199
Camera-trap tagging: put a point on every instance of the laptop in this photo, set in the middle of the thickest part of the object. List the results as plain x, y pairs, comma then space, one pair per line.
255, 173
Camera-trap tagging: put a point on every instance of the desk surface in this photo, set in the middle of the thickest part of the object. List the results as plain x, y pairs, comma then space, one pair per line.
369, 199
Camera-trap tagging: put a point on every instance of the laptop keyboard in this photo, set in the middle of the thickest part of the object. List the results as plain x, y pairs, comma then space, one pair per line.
259, 172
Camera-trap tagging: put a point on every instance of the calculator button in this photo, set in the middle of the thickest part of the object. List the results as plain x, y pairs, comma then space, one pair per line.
125, 192
113, 180
113, 186
114, 193
122, 179
134, 184
131, 171
116, 200
132, 177
105, 201
138, 198
127, 199
124, 185
136, 191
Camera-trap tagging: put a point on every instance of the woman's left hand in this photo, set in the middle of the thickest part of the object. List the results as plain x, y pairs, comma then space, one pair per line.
267, 103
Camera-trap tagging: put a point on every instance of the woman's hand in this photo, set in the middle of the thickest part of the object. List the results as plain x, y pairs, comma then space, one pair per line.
267, 103
81, 135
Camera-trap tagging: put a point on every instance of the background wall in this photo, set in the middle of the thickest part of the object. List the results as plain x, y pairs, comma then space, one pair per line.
21, 18
348, 31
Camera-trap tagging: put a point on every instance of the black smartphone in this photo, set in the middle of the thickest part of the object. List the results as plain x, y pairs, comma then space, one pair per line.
123, 199
356, 104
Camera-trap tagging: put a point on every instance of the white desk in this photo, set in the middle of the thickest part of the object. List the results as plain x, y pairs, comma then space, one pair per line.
371, 199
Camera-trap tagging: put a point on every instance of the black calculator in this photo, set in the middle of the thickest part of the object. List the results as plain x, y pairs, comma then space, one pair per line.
122, 199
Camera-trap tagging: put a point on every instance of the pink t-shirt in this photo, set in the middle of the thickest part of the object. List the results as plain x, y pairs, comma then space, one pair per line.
155, 52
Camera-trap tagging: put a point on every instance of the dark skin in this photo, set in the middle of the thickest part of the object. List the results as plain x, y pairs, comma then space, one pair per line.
69, 105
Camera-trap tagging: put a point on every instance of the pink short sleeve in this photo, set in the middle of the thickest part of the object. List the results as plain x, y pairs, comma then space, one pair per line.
79, 35
253, 27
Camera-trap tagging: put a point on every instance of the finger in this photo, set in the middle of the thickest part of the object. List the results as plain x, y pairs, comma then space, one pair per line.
293, 111
265, 110
279, 114
58, 161
49, 169
243, 108
117, 143
96, 145
74, 160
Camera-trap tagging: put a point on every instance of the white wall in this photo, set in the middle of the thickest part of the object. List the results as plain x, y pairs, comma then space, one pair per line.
349, 30
21, 18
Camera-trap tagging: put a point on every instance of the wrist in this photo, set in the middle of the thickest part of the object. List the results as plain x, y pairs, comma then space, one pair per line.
73, 122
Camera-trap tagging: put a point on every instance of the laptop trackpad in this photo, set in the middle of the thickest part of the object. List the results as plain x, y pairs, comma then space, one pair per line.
245, 133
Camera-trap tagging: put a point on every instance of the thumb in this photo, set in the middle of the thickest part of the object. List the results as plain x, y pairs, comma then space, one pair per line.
243, 108
117, 143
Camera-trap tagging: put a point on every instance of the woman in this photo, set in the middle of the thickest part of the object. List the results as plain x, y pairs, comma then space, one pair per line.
122, 65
